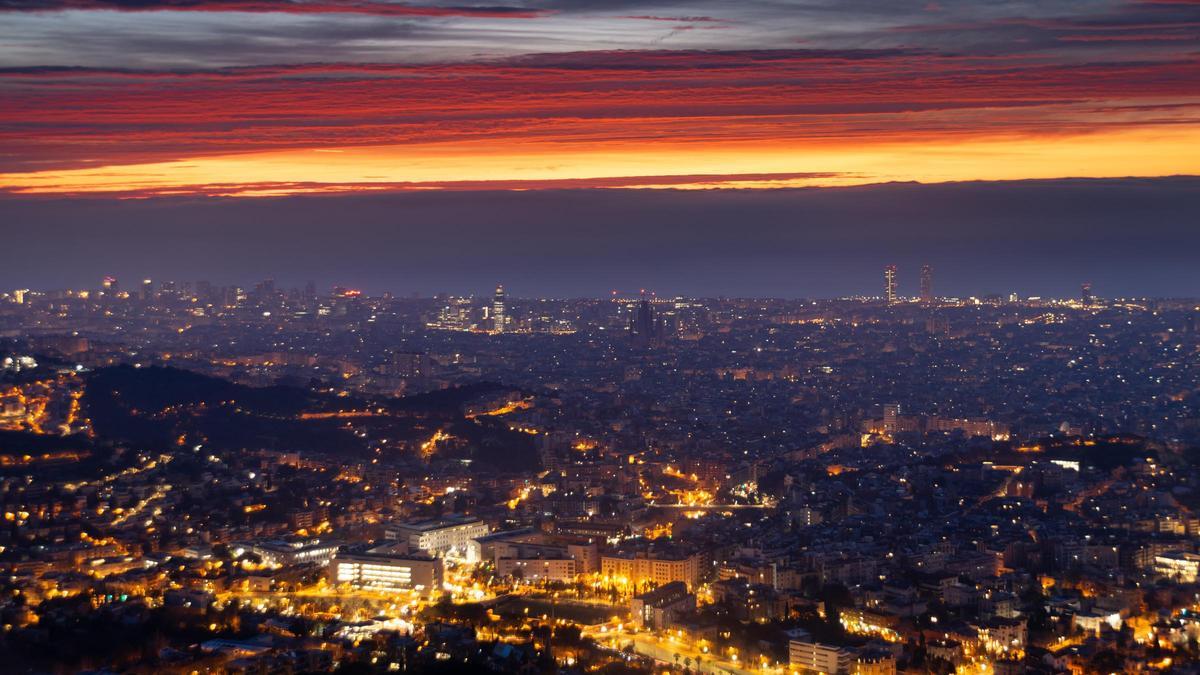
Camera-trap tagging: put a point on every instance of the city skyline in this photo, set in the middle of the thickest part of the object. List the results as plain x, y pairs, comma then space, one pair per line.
1029, 237
496, 305
600, 337
892, 292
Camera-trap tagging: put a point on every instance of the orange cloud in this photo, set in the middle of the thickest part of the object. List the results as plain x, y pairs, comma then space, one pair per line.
480, 165
820, 117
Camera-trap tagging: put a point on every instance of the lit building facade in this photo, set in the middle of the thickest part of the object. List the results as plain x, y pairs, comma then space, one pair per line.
658, 608
499, 311
388, 572
282, 552
1179, 566
652, 566
440, 537
808, 656
538, 569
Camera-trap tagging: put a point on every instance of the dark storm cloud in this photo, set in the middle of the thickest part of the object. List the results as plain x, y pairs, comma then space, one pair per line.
278, 31
375, 7
1140, 27
1127, 236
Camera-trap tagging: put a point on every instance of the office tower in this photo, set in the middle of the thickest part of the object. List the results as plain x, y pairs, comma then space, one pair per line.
891, 414
889, 284
264, 290
499, 315
147, 290
204, 291
457, 314
643, 322
646, 328
110, 285
926, 283
1085, 293
409, 365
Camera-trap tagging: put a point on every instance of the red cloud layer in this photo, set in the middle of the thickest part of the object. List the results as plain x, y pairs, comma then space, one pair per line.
68, 117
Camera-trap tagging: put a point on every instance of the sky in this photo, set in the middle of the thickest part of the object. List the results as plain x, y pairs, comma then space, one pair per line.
257, 99
1135, 237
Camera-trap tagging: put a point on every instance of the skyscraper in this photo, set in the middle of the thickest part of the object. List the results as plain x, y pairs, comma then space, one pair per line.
891, 414
499, 315
927, 283
646, 328
889, 284
1085, 293
264, 290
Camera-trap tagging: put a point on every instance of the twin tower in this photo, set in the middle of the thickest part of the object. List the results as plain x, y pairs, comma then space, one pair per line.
889, 284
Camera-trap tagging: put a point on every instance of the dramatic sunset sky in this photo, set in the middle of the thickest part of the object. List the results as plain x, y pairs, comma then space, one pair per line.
145, 100
252, 97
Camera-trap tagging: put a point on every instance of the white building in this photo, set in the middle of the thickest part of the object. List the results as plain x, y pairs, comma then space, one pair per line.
1095, 622
538, 569
451, 536
537, 555
808, 656
388, 572
1178, 566
298, 552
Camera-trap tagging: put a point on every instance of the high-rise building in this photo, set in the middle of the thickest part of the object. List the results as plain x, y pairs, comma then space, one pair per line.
1085, 293
456, 314
147, 290
409, 365
889, 284
927, 283
265, 289
646, 328
499, 313
891, 416
204, 291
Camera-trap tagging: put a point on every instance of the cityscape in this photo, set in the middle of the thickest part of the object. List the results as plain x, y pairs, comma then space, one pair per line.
209, 478
600, 337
